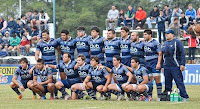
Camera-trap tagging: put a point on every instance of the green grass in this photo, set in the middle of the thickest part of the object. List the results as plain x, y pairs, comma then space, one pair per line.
8, 100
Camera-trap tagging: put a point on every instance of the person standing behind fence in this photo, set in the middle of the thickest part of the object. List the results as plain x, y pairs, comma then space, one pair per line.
174, 63
192, 43
176, 27
160, 20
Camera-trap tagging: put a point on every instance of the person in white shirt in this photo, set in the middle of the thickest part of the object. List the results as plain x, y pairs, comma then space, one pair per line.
112, 16
43, 18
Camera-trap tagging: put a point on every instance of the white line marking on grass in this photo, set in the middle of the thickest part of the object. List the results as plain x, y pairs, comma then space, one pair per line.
90, 108
176, 103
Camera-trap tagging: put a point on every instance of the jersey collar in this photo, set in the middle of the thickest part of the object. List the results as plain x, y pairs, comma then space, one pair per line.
95, 38
82, 66
68, 63
138, 67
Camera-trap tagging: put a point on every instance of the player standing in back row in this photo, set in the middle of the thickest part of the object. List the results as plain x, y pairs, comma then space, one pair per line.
112, 47
47, 47
125, 45
153, 54
82, 44
97, 44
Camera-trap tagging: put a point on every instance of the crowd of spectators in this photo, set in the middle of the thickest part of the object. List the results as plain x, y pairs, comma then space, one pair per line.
163, 19
18, 35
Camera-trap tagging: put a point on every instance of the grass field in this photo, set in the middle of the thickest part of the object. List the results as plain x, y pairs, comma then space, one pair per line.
8, 100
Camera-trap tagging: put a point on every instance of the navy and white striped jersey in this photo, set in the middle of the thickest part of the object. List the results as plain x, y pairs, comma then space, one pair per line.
67, 47
151, 49
83, 46
83, 71
68, 69
139, 73
48, 51
98, 75
112, 47
24, 73
43, 75
173, 53
96, 46
120, 74
125, 45
137, 49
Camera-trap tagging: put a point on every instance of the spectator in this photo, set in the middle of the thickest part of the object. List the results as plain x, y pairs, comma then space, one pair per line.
14, 42
168, 13
152, 17
35, 35
35, 19
198, 14
29, 16
160, 20
24, 24
3, 26
190, 13
43, 19
140, 17
130, 16
11, 25
195, 22
6, 40
112, 16
17, 28
1, 43
176, 13
184, 21
24, 46
121, 17
192, 43
176, 27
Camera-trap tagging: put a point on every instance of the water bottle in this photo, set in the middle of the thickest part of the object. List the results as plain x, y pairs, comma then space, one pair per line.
172, 96
176, 94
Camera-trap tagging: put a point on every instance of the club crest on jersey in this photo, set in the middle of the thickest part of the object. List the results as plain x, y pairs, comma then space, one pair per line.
109, 47
82, 73
94, 46
65, 48
118, 77
133, 50
80, 44
25, 76
69, 71
124, 46
147, 48
51, 48
43, 78
96, 78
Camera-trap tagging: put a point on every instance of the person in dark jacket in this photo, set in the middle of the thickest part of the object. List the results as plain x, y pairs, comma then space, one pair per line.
152, 17
160, 21
174, 63
168, 13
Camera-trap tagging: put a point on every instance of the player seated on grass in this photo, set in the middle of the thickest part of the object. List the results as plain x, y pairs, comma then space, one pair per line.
46, 77
143, 81
100, 79
83, 69
23, 72
68, 75
121, 75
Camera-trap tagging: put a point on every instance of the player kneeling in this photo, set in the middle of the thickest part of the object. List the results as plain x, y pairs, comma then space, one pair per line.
143, 82
23, 72
46, 77
100, 79
122, 77
82, 68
